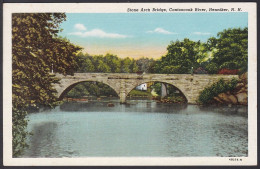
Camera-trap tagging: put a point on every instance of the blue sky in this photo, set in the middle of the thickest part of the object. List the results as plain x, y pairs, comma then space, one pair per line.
143, 34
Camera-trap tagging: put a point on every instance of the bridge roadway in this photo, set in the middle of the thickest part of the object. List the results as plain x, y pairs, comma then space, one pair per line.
123, 83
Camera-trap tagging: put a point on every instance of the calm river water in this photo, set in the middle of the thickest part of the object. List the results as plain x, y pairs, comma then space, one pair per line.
140, 128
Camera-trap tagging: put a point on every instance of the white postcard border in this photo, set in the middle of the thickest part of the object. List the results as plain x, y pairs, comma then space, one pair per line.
10, 8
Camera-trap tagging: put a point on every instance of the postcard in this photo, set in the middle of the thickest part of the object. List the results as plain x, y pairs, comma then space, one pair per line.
129, 84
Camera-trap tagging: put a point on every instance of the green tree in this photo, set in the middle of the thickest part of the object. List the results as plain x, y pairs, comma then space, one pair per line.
91, 88
133, 66
144, 64
99, 89
103, 67
212, 67
113, 62
155, 66
181, 57
36, 50
84, 62
230, 49
157, 87
125, 65
78, 91
96, 60
107, 64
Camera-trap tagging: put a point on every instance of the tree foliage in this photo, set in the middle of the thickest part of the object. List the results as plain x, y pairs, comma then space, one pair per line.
221, 86
181, 57
171, 90
106, 64
229, 49
226, 51
145, 64
36, 50
91, 89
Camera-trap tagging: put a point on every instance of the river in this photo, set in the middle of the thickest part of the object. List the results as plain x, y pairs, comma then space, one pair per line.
139, 128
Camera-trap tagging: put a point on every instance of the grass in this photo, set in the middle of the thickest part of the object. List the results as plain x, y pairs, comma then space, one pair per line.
139, 93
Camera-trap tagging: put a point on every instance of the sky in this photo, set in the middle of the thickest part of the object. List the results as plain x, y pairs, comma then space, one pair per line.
138, 35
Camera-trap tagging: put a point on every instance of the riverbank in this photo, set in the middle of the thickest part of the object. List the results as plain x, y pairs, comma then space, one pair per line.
238, 96
171, 99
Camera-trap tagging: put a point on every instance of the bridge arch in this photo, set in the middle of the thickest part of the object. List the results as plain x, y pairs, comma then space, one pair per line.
123, 83
66, 88
159, 81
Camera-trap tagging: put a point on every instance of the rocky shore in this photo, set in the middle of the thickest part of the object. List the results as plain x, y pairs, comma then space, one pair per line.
239, 96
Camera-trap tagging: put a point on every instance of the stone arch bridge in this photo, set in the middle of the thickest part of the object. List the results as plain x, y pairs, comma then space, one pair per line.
123, 83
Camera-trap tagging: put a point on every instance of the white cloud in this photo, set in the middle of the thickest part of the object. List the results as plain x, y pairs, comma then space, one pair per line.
161, 30
80, 27
98, 33
201, 33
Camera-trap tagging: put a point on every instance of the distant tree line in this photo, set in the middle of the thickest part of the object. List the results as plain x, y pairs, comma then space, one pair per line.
225, 54
110, 63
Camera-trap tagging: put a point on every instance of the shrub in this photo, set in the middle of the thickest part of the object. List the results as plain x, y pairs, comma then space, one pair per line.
212, 68
19, 132
207, 95
229, 65
177, 99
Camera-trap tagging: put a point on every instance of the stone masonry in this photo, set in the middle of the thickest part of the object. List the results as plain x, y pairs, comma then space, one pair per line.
123, 83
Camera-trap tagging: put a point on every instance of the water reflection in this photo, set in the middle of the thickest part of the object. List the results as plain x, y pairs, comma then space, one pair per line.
132, 106
44, 135
139, 128
226, 110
